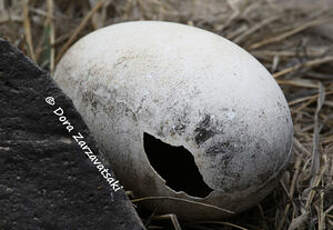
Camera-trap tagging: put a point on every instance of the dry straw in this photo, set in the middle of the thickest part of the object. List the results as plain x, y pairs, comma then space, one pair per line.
287, 42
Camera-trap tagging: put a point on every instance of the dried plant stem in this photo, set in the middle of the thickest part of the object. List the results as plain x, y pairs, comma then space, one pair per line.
183, 200
321, 216
297, 83
315, 183
51, 33
291, 192
222, 223
315, 154
83, 23
289, 33
296, 101
257, 27
307, 64
173, 219
27, 29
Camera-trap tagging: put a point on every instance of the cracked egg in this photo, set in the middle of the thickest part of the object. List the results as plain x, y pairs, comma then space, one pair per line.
189, 120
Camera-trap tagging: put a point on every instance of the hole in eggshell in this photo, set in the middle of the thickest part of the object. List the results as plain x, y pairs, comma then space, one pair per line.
176, 166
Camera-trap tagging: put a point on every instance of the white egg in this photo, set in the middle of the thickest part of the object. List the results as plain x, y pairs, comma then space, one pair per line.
145, 86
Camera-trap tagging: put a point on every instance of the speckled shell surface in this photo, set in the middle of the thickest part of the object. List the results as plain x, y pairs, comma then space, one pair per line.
187, 87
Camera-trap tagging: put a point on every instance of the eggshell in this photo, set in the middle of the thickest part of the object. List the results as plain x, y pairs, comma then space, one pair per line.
186, 87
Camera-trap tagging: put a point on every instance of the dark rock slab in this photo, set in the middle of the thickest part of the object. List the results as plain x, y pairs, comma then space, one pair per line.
46, 180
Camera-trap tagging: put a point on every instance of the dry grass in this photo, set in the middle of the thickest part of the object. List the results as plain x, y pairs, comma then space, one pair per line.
299, 58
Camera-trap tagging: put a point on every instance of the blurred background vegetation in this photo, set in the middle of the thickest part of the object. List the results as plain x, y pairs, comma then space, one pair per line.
293, 39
